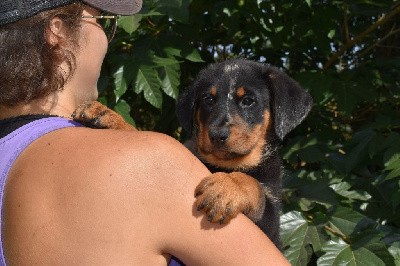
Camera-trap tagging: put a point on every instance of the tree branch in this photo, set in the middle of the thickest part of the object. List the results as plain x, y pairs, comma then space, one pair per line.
334, 232
381, 21
377, 44
346, 33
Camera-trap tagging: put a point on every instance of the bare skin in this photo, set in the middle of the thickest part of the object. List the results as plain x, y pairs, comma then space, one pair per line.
80, 196
70, 200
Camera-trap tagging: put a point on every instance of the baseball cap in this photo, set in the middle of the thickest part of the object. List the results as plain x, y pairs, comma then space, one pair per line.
14, 10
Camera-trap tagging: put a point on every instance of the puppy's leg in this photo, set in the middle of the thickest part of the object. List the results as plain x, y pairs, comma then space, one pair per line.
221, 196
97, 115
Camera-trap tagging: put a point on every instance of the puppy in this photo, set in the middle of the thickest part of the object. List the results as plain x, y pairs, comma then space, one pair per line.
237, 112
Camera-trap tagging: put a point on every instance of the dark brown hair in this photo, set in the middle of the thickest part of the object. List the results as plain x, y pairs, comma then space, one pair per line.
29, 64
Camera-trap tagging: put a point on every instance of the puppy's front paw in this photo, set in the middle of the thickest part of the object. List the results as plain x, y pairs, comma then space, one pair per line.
221, 196
97, 115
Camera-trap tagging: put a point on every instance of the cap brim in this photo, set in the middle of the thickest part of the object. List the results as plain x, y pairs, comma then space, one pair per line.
125, 7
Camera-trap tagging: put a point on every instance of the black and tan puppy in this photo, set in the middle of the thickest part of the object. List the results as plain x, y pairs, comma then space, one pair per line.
237, 112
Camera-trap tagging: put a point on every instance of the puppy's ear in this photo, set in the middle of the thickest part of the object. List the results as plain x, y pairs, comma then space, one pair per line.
185, 108
291, 103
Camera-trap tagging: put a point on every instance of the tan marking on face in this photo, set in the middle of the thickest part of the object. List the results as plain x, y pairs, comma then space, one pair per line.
248, 144
213, 91
240, 92
202, 135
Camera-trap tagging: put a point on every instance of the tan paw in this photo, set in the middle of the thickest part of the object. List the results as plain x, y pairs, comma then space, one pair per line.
221, 196
97, 115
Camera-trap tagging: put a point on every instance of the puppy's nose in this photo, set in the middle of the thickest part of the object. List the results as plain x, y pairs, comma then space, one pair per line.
219, 135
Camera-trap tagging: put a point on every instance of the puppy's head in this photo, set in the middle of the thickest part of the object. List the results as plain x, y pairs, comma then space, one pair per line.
234, 107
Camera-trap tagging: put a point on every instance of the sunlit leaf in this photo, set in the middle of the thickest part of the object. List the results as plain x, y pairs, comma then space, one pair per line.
169, 75
344, 189
129, 23
331, 34
296, 234
147, 82
337, 252
394, 249
120, 82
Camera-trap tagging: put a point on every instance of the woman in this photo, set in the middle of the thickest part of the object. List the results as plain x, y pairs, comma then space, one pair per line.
74, 195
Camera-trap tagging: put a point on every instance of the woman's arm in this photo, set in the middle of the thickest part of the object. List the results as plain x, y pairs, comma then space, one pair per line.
185, 232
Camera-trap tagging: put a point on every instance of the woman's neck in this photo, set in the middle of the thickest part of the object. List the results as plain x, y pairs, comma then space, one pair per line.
50, 105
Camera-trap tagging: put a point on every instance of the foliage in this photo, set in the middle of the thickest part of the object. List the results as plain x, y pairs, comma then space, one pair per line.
342, 182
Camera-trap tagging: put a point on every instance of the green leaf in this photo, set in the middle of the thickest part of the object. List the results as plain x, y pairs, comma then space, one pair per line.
193, 56
331, 34
169, 75
393, 174
124, 109
372, 239
393, 163
120, 82
392, 160
187, 53
296, 234
344, 189
122, 77
148, 82
392, 141
337, 252
297, 144
394, 249
154, 97
318, 191
164, 61
129, 23
318, 84
346, 99
311, 154
103, 83
358, 148
178, 9
347, 221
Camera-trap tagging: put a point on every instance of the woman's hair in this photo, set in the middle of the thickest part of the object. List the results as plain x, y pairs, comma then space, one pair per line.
29, 64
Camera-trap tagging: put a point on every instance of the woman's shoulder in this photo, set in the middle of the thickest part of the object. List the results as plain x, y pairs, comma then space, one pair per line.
118, 149
127, 144
107, 141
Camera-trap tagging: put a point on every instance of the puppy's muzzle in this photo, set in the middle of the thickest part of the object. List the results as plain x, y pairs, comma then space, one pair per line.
218, 136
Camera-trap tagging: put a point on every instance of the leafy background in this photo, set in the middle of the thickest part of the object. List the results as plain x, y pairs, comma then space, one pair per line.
342, 196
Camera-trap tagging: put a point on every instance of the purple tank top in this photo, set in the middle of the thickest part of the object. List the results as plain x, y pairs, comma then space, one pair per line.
14, 143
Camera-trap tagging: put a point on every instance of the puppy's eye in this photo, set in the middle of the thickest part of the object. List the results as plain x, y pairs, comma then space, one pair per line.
247, 101
208, 99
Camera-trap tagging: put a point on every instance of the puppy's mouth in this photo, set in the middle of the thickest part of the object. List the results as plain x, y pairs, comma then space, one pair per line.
224, 154
230, 159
